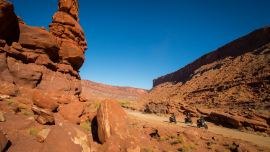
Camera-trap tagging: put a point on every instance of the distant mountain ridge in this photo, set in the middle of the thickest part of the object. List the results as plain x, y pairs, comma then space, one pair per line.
235, 48
98, 91
231, 84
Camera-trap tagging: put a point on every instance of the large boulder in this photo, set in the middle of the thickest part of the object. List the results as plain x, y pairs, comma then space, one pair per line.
44, 116
27, 75
225, 119
238, 122
45, 100
72, 54
72, 111
112, 121
67, 137
38, 38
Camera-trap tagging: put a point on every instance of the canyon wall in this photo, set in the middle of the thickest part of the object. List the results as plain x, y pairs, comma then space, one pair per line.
235, 48
235, 80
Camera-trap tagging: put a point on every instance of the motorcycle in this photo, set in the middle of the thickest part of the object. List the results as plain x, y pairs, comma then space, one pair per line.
172, 119
201, 124
188, 120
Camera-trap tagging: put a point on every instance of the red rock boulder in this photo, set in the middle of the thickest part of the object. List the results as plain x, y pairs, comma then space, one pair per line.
72, 111
72, 54
225, 119
66, 137
112, 121
27, 75
45, 100
38, 38
43, 116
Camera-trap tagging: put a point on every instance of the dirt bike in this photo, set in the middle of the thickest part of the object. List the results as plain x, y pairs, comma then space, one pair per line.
188, 120
172, 119
202, 124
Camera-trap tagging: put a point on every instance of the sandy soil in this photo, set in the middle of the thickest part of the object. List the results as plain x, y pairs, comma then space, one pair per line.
226, 132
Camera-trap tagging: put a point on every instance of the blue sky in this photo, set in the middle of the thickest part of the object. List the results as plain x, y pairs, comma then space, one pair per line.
131, 42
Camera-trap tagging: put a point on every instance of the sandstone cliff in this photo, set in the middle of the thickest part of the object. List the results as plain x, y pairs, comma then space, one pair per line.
35, 59
248, 43
233, 79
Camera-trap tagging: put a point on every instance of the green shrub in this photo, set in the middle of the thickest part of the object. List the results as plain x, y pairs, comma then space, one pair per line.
86, 125
187, 147
10, 101
180, 139
33, 131
27, 112
97, 104
162, 139
125, 103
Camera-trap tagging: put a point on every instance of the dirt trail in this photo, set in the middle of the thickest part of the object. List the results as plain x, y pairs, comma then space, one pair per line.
226, 132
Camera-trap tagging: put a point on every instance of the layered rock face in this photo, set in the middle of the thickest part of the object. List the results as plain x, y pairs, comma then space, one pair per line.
69, 33
236, 48
40, 68
93, 91
39, 81
33, 58
233, 79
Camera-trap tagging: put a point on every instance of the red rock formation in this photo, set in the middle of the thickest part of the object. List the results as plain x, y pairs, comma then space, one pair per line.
112, 121
72, 111
236, 48
41, 66
113, 130
232, 79
34, 58
70, 35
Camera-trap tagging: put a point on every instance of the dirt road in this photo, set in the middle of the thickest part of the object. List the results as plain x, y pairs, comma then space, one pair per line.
226, 132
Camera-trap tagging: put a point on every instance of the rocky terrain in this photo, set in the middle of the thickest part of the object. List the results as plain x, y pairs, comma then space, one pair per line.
230, 85
44, 105
93, 91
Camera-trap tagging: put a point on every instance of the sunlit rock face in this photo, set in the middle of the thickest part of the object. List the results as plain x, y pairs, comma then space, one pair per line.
234, 79
69, 33
34, 58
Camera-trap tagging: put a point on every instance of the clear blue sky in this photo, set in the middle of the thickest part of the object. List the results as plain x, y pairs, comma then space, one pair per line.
131, 42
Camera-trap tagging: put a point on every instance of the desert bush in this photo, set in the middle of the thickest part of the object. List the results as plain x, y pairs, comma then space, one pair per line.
33, 131
86, 125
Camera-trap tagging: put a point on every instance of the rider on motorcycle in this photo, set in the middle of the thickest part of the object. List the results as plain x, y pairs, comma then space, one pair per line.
172, 118
201, 123
188, 117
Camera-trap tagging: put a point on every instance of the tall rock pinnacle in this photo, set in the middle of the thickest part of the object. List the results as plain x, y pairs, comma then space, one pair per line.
70, 35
